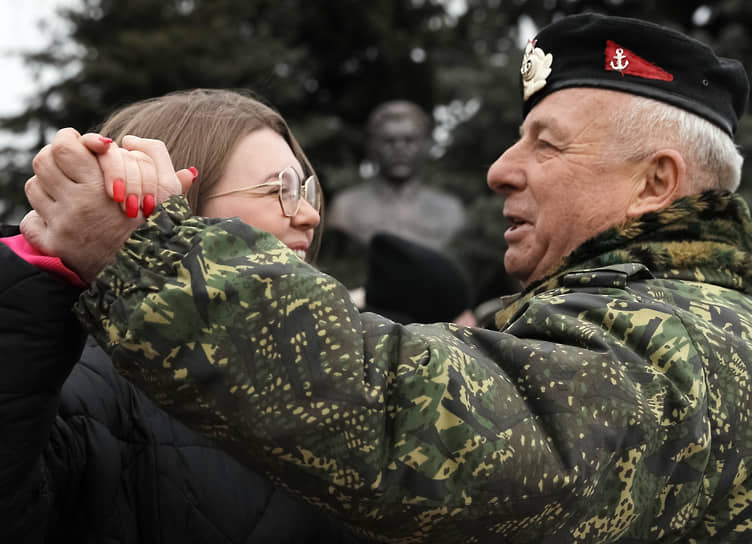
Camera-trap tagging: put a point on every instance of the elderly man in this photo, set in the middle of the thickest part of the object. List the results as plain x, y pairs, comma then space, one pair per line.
612, 403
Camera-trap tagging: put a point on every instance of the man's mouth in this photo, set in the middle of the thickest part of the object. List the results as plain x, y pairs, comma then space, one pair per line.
516, 229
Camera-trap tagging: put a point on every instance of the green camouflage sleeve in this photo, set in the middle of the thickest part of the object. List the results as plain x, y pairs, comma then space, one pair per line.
561, 426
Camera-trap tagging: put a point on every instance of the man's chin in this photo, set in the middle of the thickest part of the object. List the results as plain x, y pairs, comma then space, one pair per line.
516, 267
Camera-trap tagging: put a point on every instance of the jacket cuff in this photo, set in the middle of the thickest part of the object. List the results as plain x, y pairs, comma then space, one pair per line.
21, 247
102, 308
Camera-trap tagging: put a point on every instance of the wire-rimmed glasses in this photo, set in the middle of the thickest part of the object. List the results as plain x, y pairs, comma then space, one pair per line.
291, 190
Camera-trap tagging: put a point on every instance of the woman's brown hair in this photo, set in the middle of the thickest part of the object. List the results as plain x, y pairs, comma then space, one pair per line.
200, 128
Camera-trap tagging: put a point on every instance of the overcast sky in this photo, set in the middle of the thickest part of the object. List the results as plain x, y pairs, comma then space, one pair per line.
19, 29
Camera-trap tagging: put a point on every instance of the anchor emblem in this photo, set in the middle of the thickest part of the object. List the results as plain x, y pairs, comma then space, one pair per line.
615, 59
620, 56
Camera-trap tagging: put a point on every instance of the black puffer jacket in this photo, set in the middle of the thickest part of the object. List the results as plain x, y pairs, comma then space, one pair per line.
86, 457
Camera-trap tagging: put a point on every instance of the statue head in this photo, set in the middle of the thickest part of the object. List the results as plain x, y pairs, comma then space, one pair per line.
399, 137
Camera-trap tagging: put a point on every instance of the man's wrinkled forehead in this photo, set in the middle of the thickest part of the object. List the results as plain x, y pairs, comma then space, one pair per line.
550, 123
568, 111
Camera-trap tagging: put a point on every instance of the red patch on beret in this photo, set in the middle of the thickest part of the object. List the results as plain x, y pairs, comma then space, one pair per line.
620, 59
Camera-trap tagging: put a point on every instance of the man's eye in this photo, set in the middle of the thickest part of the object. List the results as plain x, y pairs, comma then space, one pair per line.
544, 144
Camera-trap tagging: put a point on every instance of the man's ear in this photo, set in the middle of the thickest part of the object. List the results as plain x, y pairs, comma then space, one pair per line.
663, 180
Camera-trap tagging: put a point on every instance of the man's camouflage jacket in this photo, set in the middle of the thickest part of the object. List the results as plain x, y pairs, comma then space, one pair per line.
611, 405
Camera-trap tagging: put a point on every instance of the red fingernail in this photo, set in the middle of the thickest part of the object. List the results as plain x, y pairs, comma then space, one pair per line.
148, 205
194, 171
118, 190
105, 141
131, 206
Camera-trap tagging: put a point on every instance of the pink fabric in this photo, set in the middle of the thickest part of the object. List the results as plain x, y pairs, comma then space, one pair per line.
31, 255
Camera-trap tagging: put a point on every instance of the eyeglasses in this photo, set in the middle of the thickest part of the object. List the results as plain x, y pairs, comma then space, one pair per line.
291, 189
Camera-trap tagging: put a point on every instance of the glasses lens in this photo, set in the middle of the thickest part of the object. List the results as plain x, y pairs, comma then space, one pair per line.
289, 191
312, 194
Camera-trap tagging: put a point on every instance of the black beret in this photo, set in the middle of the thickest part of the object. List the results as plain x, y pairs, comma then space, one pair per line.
412, 283
638, 57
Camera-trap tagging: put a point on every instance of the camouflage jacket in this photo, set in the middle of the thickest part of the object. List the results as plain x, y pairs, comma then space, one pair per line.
612, 405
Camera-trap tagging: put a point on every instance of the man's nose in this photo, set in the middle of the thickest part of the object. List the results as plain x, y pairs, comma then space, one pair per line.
507, 173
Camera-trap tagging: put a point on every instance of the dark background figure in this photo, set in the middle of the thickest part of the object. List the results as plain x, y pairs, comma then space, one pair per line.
412, 283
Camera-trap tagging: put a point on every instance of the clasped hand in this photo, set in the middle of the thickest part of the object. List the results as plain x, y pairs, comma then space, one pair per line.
88, 195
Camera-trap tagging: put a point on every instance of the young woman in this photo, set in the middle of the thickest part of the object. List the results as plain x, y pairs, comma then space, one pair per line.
85, 456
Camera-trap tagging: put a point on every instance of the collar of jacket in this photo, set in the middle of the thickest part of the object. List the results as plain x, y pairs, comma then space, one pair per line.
705, 237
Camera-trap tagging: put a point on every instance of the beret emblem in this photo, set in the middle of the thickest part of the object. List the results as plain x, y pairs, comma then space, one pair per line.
624, 61
536, 66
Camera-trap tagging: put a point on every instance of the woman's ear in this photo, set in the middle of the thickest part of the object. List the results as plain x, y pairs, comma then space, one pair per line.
664, 180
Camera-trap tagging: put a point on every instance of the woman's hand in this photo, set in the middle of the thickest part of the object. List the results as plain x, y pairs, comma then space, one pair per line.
140, 174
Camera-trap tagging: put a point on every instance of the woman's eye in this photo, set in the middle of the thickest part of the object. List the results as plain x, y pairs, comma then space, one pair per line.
271, 189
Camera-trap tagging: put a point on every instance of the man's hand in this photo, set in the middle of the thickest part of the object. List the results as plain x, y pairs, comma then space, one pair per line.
73, 217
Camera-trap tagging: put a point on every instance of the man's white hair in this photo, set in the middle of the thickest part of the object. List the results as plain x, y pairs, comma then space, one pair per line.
645, 125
